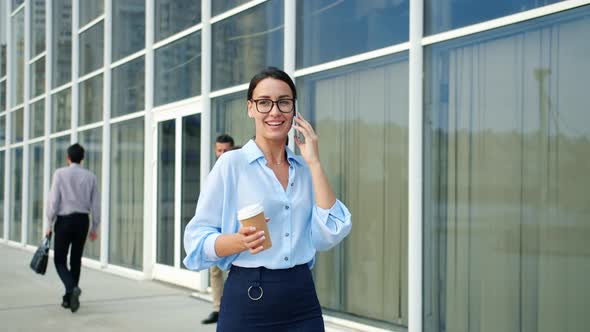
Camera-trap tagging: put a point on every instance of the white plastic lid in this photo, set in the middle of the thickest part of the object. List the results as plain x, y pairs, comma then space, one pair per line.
250, 211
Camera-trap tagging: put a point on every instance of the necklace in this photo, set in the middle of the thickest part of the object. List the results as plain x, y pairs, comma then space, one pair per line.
270, 161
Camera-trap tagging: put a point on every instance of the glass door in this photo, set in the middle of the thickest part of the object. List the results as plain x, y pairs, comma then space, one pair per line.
177, 168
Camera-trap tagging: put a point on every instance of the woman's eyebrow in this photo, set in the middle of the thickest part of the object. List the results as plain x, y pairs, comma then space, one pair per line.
268, 97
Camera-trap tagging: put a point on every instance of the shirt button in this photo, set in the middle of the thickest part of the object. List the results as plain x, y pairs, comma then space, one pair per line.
286, 258
292, 184
286, 207
287, 234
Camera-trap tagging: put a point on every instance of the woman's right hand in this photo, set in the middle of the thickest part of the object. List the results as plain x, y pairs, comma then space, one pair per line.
252, 239
247, 238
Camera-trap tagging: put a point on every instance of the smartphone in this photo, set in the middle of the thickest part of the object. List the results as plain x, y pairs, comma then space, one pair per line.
296, 132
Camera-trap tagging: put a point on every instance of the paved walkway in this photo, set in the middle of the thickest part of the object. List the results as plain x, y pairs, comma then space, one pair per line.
31, 302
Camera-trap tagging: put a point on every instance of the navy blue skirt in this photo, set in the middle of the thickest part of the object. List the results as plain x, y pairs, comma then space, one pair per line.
260, 299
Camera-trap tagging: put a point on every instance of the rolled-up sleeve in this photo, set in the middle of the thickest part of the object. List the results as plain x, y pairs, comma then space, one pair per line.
330, 226
205, 227
199, 244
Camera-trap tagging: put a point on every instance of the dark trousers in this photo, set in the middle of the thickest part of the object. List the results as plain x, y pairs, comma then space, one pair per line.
70, 230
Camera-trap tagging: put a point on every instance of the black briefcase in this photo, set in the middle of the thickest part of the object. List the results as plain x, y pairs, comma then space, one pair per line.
41, 256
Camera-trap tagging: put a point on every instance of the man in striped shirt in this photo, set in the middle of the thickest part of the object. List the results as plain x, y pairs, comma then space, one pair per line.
73, 196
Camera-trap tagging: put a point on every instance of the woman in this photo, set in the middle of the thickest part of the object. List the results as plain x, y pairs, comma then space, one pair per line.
268, 289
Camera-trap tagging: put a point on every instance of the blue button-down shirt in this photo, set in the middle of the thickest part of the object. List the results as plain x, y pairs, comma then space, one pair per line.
297, 227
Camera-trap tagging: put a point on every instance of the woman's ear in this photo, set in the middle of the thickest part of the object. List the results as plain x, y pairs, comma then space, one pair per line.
250, 109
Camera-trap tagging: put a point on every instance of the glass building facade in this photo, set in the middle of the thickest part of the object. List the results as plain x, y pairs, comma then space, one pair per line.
499, 240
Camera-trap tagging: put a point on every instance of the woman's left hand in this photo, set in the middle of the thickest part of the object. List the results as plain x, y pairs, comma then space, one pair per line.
309, 149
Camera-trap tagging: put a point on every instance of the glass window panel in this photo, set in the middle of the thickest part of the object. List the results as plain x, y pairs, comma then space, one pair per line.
89, 10
2, 51
61, 39
37, 27
178, 70
128, 88
2, 203
367, 25
246, 43
165, 216
128, 27
16, 193
3, 59
126, 194
444, 15
91, 99
37, 119
91, 140
3, 96
38, 77
61, 111
17, 125
360, 113
3, 38
229, 116
35, 203
91, 49
16, 3
220, 6
2, 133
59, 151
173, 16
191, 173
507, 154
18, 56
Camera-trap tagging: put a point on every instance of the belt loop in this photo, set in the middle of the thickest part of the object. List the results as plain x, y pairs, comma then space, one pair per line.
256, 284
257, 277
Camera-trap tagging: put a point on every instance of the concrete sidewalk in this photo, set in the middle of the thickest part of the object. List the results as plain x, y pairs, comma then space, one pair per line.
31, 302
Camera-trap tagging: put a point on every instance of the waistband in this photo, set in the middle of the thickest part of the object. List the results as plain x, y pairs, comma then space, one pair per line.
257, 278
264, 274
74, 215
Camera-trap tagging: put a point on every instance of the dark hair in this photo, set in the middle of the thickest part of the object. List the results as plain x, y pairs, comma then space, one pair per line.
272, 72
76, 153
225, 138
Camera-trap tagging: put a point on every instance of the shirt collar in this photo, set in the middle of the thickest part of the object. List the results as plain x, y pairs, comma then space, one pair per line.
75, 165
253, 153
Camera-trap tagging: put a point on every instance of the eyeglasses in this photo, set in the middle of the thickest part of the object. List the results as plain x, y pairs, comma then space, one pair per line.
265, 105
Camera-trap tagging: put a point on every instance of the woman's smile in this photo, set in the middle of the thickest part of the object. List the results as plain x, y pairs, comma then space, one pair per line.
275, 124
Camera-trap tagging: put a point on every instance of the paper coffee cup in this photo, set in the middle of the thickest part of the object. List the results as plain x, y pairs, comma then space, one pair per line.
253, 215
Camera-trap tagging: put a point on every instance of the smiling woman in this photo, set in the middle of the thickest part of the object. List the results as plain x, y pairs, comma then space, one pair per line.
271, 105
268, 286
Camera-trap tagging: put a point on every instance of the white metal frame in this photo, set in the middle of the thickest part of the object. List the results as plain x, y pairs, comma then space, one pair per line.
173, 274
27, 92
415, 168
149, 185
205, 107
232, 11
106, 136
75, 70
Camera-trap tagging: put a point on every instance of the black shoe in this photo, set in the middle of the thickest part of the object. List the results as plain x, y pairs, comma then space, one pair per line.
211, 319
65, 301
75, 299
